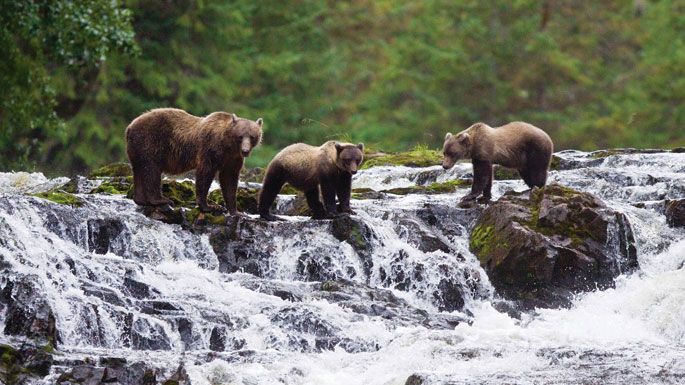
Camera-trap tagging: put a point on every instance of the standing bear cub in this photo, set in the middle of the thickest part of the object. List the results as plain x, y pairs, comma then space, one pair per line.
308, 169
517, 145
173, 141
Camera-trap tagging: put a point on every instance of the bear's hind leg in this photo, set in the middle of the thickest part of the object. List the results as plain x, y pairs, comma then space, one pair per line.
139, 196
318, 211
153, 187
271, 186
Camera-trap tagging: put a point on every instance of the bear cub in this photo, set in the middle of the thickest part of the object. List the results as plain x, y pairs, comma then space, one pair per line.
328, 169
173, 141
517, 145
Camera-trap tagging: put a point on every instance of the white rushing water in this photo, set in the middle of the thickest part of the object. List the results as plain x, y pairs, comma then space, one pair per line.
632, 333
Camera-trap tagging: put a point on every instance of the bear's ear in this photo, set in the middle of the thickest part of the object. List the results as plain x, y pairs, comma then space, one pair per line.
338, 146
260, 122
234, 117
449, 135
464, 139
360, 146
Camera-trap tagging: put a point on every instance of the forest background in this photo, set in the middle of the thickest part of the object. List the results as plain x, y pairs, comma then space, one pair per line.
392, 74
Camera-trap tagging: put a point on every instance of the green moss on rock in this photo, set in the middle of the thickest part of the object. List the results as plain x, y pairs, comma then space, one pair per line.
504, 173
115, 186
112, 170
180, 193
195, 217
330, 286
61, 197
418, 157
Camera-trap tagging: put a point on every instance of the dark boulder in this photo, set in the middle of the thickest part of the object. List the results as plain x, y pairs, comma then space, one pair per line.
675, 212
541, 249
28, 312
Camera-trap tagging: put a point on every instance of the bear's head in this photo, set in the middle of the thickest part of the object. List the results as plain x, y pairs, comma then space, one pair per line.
349, 156
247, 133
455, 147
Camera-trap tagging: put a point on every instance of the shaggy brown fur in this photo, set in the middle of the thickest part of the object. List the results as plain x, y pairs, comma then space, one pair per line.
173, 141
517, 145
308, 168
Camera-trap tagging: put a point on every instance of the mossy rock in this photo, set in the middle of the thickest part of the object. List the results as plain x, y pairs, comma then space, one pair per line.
112, 170
555, 164
541, 247
504, 173
600, 154
180, 193
115, 186
195, 217
366, 193
61, 197
433, 188
16, 366
247, 199
253, 175
330, 286
419, 157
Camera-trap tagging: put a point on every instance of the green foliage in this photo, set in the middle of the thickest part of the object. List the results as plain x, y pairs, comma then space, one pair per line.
52, 51
384, 72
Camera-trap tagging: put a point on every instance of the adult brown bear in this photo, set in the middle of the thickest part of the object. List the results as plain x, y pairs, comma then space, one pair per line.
517, 145
173, 141
307, 168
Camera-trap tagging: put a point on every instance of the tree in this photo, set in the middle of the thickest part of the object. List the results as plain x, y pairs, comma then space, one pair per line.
41, 40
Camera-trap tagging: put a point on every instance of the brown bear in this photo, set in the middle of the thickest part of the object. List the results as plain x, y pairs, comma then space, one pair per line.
517, 145
173, 141
307, 168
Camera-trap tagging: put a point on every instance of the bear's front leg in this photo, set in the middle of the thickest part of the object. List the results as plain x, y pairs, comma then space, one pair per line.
482, 178
203, 179
344, 189
328, 193
228, 178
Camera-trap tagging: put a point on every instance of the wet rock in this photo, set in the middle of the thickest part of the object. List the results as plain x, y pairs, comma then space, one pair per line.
163, 214
148, 335
540, 250
236, 246
28, 311
139, 290
103, 232
675, 212
420, 237
360, 298
217, 340
358, 234
117, 370
104, 293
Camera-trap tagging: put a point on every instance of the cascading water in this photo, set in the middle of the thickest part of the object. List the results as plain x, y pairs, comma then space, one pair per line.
402, 299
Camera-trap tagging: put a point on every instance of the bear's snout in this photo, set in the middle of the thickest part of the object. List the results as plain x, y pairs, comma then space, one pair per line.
447, 164
246, 153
